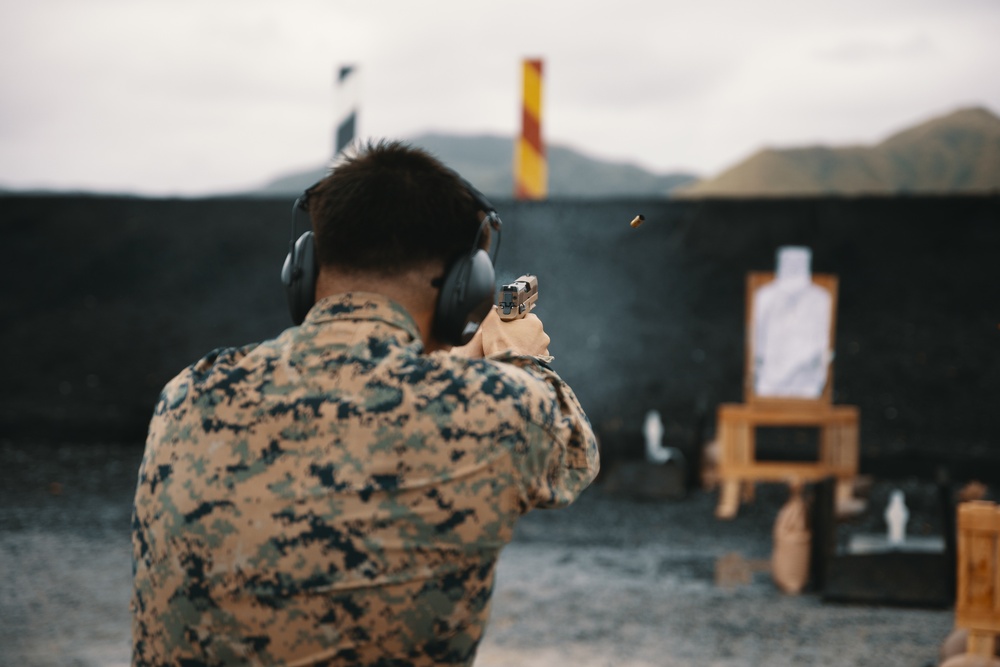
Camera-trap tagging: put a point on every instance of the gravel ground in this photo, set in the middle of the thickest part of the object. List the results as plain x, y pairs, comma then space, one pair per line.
609, 581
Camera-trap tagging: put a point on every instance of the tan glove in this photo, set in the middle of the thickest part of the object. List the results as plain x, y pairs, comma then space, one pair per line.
525, 336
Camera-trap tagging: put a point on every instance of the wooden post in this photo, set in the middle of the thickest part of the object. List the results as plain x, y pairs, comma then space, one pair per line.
347, 105
530, 168
977, 603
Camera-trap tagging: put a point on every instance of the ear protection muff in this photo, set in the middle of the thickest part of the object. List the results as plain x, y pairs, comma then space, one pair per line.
466, 297
300, 270
469, 285
467, 288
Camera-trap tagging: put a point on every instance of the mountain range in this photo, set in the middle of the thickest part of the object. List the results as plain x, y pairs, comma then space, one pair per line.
487, 162
955, 153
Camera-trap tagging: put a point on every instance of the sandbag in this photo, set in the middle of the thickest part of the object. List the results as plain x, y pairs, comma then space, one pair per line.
954, 647
792, 543
953, 644
969, 660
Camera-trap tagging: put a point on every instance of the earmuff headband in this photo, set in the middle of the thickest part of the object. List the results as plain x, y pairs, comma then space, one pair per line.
467, 288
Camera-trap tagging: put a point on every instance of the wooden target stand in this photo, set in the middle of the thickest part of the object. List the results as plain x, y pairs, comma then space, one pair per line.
977, 601
739, 469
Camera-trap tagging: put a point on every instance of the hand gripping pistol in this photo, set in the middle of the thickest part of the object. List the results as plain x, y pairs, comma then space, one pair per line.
518, 298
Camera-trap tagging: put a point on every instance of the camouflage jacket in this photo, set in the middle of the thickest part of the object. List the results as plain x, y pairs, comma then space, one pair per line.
335, 496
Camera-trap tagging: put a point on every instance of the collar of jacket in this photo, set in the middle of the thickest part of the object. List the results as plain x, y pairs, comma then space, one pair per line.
362, 306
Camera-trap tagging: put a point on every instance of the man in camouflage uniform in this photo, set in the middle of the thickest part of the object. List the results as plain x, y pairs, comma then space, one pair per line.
339, 495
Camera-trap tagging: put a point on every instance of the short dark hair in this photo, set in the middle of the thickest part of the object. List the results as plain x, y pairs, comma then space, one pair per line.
389, 208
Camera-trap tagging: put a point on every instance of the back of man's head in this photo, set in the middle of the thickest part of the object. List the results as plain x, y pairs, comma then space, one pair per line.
390, 208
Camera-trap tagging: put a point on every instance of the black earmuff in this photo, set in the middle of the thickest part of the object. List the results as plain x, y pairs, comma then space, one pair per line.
300, 270
466, 297
467, 288
469, 284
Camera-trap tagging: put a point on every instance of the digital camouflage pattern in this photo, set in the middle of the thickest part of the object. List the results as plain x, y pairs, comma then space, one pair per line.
337, 497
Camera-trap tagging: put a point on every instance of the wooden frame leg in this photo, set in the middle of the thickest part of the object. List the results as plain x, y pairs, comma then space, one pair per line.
729, 499
981, 643
845, 504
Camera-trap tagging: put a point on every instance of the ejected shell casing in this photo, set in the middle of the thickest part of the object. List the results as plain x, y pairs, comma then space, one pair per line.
637, 220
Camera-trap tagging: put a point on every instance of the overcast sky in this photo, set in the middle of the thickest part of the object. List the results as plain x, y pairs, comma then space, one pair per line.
199, 96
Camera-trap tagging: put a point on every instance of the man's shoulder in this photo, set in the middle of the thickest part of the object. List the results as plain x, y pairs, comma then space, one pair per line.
507, 369
527, 385
221, 363
220, 358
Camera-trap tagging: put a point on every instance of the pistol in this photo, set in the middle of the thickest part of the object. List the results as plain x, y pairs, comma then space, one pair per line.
517, 299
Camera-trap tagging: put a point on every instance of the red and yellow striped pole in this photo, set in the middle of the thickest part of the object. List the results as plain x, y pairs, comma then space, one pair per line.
530, 168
